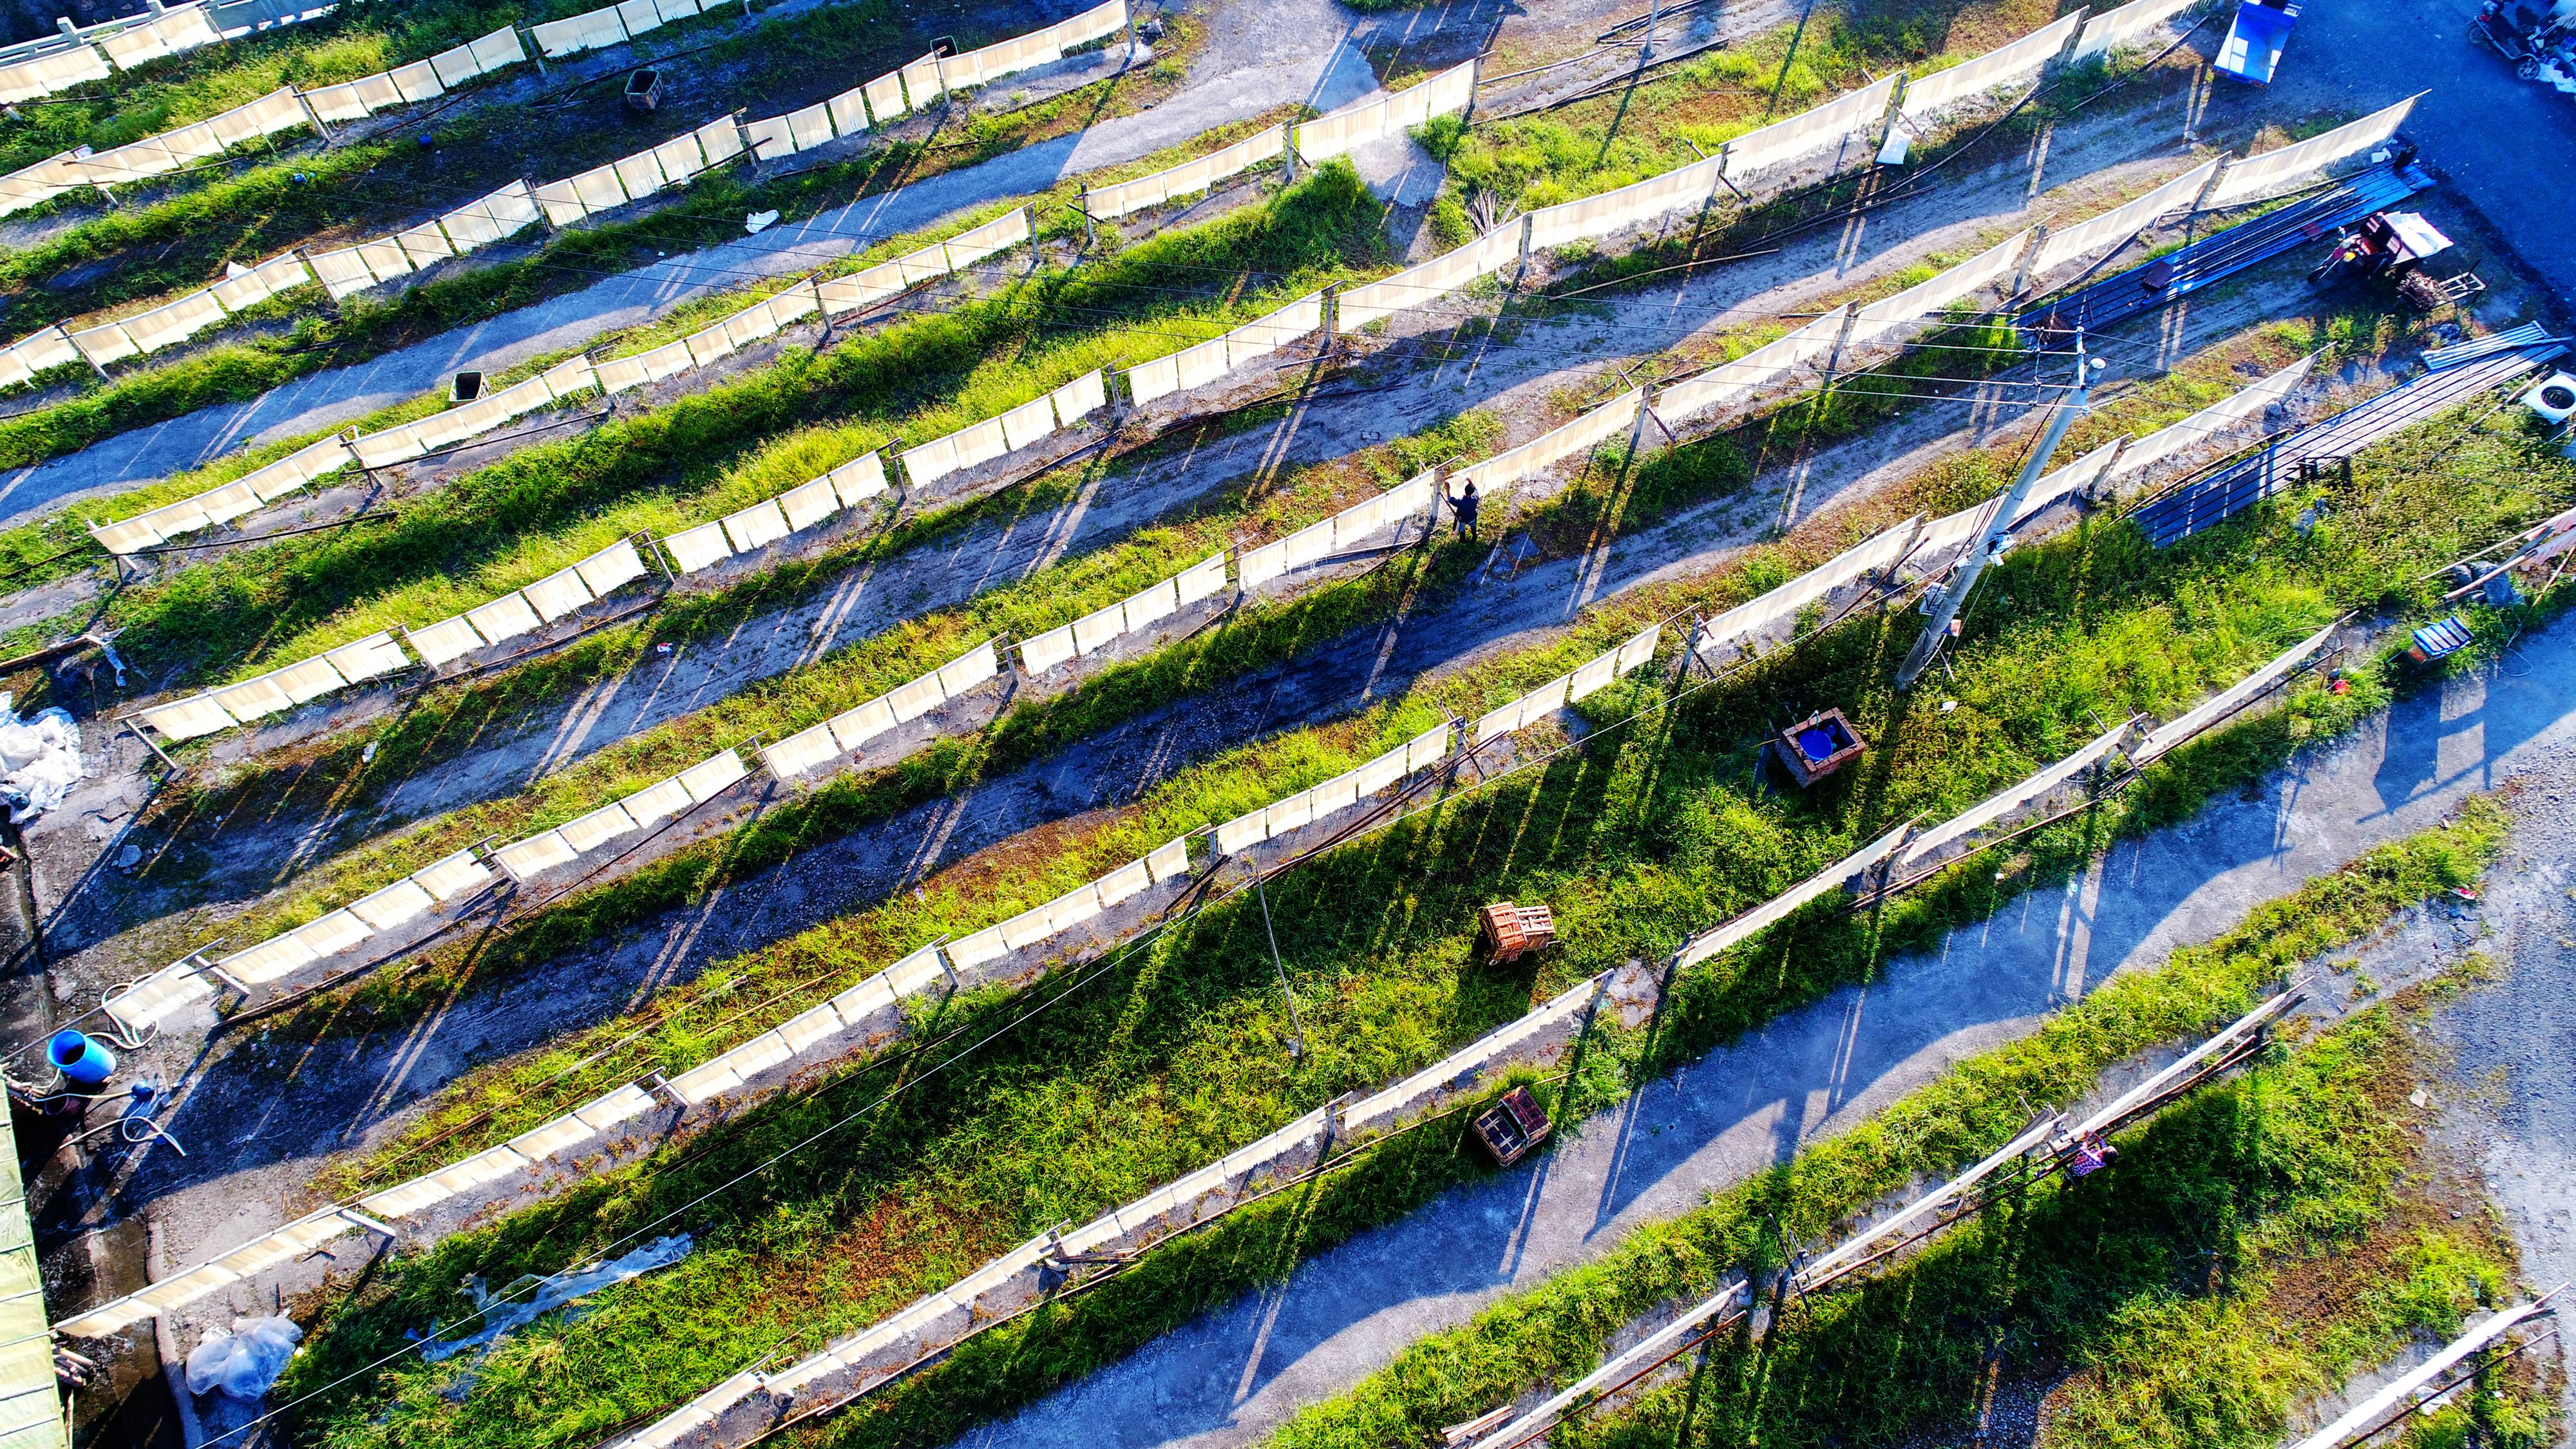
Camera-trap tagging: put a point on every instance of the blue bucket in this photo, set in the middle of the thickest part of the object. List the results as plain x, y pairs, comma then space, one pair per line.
79, 1056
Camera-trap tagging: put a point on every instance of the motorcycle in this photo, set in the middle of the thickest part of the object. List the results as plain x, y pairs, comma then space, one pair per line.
2518, 34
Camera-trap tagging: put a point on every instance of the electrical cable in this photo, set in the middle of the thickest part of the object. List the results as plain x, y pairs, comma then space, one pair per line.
1142, 940
1029, 1012
1408, 348
1913, 182
1104, 964
269, 1008
1905, 189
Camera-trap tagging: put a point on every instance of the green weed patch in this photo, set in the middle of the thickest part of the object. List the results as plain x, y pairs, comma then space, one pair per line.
507, 524
177, 242
1832, 1374
1176, 1054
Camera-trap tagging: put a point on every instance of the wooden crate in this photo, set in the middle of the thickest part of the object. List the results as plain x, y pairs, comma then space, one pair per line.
1818, 745
1512, 1126
1510, 930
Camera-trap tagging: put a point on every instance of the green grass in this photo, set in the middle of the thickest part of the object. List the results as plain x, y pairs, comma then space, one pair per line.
1175, 1056
500, 526
1558, 1330
1570, 523
2152, 1276
58, 546
354, 40
178, 242
1262, 635
1688, 110
201, 219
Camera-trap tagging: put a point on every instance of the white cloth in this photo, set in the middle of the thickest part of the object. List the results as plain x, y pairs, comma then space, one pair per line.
40, 760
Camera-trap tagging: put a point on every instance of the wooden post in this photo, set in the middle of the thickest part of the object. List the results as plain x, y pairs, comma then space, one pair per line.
1833, 359
1090, 233
1645, 413
2098, 487
311, 114
660, 1087
1895, 115
2209, 188
536, 52
137, 731
2029, 254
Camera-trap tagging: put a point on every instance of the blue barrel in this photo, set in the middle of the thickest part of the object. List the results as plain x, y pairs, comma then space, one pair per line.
79, 1056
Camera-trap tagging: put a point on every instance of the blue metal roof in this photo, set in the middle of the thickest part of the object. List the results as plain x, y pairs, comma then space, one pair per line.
2221, 254
2206, 501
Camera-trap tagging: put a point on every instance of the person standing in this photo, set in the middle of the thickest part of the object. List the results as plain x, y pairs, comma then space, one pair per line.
1464, 506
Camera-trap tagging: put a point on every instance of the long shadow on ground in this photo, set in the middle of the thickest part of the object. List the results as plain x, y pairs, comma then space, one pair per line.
1234, 1375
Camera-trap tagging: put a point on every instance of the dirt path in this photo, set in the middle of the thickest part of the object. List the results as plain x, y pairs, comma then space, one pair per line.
1516, 377
2512, 1106
362, 1086
259, 1123
1233, 1376
258, 1129
1279, 52
1259, 54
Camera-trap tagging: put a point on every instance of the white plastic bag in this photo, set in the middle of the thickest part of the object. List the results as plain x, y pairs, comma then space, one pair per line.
244, 1362
40, 760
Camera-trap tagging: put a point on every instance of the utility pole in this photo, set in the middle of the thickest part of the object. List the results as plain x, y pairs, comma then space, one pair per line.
1946, 602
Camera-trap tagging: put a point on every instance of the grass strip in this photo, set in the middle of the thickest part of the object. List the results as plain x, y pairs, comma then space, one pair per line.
1177, 1056
186, 238
364, 767
235, 376
1687, 110
1571, 523
1559, 1329
59, 546
2175, 1297
1260, 636
465, 542
354, 40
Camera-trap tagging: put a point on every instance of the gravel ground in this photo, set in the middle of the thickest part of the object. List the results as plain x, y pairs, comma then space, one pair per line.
1517, 378
248, 1165
2512, 1105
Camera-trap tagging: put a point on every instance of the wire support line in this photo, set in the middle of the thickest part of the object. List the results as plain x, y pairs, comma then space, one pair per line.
1390, 814
1912, 184
378, 515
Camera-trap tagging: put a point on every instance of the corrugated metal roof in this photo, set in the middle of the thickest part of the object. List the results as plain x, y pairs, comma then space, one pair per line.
2212, 498
31, 1408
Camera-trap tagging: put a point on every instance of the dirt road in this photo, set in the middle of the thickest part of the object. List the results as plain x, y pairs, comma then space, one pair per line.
1231, 1377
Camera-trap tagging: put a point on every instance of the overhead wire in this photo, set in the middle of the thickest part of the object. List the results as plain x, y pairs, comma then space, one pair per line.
1110, 959
269, 1008
1136, 942
1904, 189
